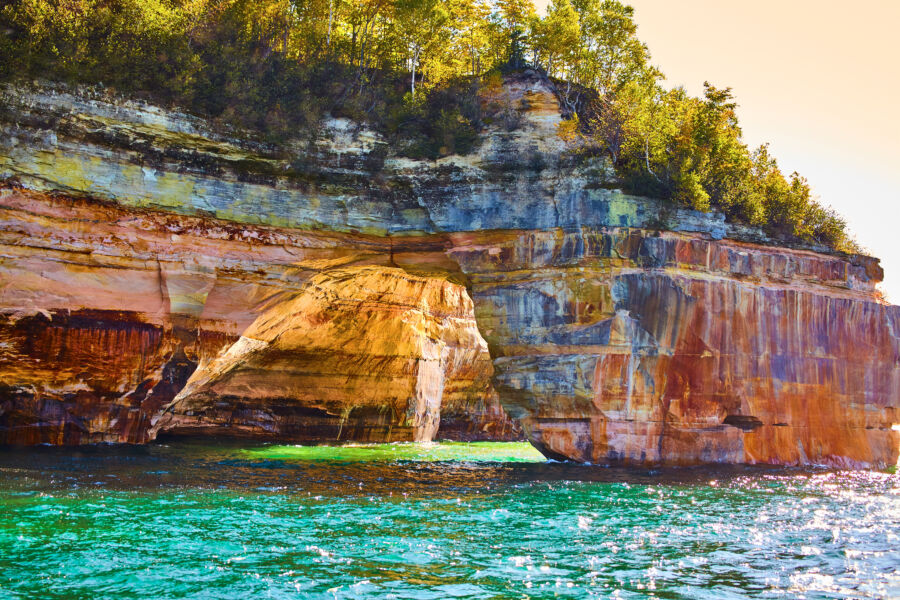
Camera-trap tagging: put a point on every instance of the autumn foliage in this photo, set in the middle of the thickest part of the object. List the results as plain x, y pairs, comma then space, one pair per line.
413, 70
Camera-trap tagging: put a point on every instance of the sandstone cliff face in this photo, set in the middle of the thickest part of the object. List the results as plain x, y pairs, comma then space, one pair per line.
107, 312
334, 290
370, 353
633, 347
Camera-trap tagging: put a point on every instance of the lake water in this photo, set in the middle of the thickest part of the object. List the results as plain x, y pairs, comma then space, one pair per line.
191, 520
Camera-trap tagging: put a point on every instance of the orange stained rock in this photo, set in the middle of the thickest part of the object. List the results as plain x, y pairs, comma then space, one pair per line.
107, 311
610, 345
758, 358
354, 341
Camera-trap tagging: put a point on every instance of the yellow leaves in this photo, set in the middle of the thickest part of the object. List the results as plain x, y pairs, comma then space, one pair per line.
567, 129
516, 13
690, 192
556, 37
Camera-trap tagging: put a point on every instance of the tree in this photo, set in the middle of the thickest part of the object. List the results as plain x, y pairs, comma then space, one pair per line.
556, 37
362, 19
514, 18
420, 24
470, 35
515, 14
610, 54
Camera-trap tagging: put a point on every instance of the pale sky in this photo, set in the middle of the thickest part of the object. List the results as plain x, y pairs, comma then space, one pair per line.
817, 79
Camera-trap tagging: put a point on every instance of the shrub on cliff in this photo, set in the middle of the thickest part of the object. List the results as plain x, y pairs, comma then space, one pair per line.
446, 121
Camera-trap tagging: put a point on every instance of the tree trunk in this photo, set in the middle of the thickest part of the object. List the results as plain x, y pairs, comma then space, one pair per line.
413, 82
330, 20
647, 157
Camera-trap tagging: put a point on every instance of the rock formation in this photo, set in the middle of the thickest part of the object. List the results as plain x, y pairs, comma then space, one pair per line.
108, 311
636, 347
161, 276
370, 353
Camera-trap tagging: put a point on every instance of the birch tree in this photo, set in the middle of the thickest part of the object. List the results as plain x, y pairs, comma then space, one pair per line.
420, 24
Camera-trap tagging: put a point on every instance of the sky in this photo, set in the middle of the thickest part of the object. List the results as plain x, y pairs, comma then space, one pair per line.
817, 79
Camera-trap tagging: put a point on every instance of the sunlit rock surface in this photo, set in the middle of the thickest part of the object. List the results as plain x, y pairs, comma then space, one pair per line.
332, 289
363, 353
634, 347
106, 313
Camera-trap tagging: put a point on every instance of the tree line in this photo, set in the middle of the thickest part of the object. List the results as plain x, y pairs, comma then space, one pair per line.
414, 69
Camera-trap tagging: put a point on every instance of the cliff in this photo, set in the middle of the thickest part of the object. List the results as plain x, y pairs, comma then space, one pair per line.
107, 313
164, 276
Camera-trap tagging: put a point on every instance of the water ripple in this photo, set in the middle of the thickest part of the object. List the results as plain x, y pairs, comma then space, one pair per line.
456, 521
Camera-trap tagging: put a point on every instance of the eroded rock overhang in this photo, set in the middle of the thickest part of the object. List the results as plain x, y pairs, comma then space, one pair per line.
122, 324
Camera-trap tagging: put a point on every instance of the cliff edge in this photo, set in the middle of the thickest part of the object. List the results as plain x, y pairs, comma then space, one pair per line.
162, 276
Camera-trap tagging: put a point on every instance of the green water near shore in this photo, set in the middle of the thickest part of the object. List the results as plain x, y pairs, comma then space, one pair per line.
191, 520
500, 452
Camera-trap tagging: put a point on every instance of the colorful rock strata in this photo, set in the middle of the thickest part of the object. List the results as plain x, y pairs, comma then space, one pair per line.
161, 276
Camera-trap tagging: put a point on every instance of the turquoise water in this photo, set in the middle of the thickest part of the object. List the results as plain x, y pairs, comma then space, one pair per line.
188, 520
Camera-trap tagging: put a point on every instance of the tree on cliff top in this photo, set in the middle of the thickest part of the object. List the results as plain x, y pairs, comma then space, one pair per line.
421, 24
556, 38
